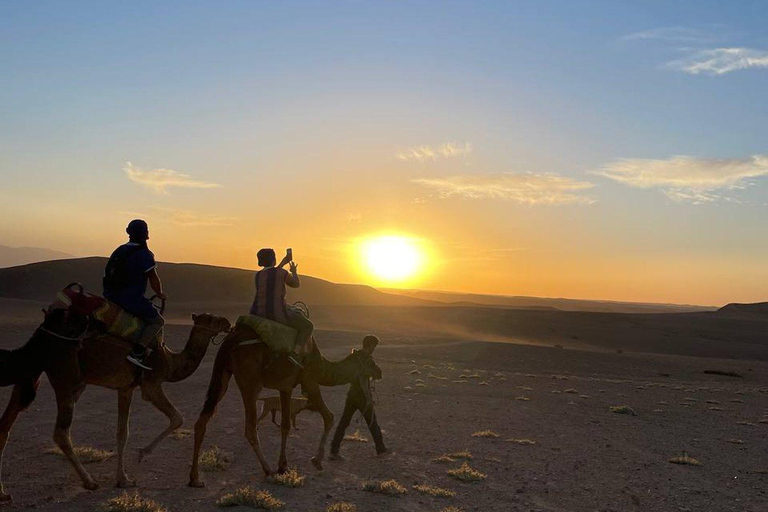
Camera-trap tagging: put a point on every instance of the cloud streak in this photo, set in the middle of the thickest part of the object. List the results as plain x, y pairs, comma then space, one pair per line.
160, 180
527, 188
429, 153
688, 179
719, 61
677, 34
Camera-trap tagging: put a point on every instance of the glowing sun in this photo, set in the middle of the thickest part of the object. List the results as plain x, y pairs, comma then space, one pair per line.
392, 258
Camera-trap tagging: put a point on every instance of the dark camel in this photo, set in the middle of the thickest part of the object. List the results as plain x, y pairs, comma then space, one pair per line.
101, 362
250, 366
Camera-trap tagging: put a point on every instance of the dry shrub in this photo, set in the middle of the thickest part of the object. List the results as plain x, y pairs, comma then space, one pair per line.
420, 385
357, 437
214, 459
523, 398
483, 383
414, 372
623, 409
486, 433
388, 487
341, 506
435, 491
715, 408
735, 441
525, 388
445, 459
181, 433
86, 454
466, 473
451, 509
685, 459
248, 497
571, 391
525, 442
131, 503
462, 455
290, 478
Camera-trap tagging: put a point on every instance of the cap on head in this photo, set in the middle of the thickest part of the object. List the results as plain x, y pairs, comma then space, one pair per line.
266, 257
370, 342
138, 230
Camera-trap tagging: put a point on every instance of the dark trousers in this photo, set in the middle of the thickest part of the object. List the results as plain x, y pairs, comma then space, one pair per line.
350, 408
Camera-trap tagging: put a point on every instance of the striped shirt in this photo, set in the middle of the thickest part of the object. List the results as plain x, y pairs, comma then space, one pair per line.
270, 293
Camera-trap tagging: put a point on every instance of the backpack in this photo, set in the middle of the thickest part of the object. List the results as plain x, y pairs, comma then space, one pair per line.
116, 272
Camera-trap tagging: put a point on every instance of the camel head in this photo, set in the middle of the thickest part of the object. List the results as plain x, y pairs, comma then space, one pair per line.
214, 324
64, 323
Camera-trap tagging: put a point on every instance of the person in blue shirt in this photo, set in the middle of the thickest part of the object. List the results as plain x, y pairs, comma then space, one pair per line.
130, 268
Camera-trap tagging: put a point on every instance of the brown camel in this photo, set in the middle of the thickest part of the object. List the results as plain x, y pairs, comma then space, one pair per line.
253, 371
102, 362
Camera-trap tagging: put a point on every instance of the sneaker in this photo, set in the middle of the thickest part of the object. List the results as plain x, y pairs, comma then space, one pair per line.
137, 356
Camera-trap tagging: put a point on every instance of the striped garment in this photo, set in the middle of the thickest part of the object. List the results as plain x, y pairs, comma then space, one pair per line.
270, 294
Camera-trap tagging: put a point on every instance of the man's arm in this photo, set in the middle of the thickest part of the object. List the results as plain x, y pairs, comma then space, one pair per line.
292, 279
155, 284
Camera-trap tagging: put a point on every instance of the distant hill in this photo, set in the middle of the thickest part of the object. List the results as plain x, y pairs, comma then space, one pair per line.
12, 256
759, 309
184, 282
542, 303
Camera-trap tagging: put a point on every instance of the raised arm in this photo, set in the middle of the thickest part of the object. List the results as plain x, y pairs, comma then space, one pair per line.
292, 279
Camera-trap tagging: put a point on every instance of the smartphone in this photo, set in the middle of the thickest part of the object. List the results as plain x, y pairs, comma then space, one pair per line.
289, 253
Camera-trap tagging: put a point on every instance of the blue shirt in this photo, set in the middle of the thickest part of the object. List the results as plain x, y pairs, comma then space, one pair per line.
139, 261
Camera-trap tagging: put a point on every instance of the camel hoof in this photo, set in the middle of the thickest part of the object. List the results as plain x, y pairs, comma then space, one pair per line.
336, 457
125, 482
318, 463
196, 483
91, 486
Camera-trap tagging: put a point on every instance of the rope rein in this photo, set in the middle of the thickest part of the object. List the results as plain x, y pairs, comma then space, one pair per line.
78, 338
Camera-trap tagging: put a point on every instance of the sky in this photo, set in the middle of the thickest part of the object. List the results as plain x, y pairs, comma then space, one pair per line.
603, 150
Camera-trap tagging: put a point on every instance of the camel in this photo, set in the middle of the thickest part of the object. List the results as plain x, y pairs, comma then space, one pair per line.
271, 404
101, 361
250, 364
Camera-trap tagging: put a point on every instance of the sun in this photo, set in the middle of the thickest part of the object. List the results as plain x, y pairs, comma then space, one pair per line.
392, 259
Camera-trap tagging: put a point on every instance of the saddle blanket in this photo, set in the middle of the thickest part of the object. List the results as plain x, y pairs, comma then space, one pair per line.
278, 337
115, 319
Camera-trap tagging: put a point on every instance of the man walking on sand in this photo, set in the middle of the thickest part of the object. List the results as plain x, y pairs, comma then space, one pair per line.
359, 399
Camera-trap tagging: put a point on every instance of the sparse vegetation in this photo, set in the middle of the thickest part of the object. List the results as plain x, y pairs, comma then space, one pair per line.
571, 391
388, 487
214, 459
86, 454
526, 442
451, 509
131, 503
248, 497
435, 491
290, 478
490, 434
341, 506
735, 441
356, 437
462, 455
523, 398
466, 473
685, 459
623, 409
414, 372
181, 433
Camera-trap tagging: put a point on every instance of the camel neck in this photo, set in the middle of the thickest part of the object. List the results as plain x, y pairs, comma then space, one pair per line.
183, 364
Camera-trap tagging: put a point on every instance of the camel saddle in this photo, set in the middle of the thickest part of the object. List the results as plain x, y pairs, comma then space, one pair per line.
278, 337
114, 319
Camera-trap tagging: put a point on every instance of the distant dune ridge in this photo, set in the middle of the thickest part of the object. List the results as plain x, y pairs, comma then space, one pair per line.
12, 256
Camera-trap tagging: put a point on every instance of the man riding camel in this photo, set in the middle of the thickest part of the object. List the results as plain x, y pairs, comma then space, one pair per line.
271, 282
126, 275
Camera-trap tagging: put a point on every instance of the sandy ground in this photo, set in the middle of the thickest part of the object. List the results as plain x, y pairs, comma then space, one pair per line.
585, 458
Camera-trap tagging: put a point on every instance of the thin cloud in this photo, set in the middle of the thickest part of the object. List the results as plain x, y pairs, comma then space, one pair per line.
719, 61
528, 188
189, 219
160, 180
676, 34
429, 153
688, 179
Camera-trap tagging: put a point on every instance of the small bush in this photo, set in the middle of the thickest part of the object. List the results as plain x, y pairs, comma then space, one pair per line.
214, 459
435, 491
623, 409
451, 509
523, 398
356, 437
290, 478
485, 433
685, 459
181, 433
248, 497
341, 506
462, 455
526, 442
466, 473
388, 487
86, 454
131, 503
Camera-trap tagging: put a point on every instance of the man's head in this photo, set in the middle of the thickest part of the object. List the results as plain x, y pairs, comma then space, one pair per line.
266, 257
369, 343
137, 230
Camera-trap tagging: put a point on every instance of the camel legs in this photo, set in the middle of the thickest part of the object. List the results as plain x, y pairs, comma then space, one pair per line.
285, 429
209, 409
15, 405
66, 399
313, 390
249, 393
155, 394
124, 397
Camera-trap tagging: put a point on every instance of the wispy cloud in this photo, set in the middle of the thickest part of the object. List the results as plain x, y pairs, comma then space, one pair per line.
189, 219
719, 61
688, 179
674, 34
160, 180
429, 153
527, 188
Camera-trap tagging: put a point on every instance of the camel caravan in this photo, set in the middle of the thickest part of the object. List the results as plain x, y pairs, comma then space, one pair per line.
115, 340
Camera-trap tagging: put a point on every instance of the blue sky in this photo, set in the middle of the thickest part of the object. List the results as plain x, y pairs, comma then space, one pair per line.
315, 100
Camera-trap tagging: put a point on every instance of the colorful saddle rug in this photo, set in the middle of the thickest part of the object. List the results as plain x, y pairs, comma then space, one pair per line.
278, 337
116, 321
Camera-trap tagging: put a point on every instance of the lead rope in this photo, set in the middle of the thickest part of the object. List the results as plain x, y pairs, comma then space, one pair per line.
79, 338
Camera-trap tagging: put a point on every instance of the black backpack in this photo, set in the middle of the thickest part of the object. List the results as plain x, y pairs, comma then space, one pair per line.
116, 272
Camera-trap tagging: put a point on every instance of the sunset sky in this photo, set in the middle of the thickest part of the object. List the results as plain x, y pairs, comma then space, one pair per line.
607, 150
